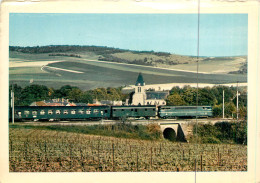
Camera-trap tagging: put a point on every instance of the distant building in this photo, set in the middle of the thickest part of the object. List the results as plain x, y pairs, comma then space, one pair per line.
156, 97
107, 102
56, 102
142, 96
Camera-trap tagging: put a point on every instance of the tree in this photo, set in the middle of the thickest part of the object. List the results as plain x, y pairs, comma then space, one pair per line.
175, 89
99, 93
64, 90
113, 94
217, 110
243, 112
75, 95
189, 95
230, 109
51, 92
86, 97
175, 99
34, 93
206, 97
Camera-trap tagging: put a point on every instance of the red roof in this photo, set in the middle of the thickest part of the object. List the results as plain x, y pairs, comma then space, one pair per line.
94, 105
54, 104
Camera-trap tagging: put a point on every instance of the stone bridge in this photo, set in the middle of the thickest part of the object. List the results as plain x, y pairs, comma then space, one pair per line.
181, 129
173, 132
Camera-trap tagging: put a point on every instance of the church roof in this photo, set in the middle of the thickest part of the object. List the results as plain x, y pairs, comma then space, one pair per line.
140, 80
158, 95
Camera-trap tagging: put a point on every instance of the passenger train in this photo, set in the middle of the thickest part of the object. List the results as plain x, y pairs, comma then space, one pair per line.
60, 113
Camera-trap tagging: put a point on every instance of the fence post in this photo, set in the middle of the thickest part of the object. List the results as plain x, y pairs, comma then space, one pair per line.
113, 157
137, 161
201, 163
151, 162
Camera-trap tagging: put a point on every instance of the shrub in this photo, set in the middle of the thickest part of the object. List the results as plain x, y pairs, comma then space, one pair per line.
210, 140
222, 132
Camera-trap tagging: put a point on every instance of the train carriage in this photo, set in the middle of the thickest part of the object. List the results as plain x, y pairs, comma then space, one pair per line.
119, 112
184, 111
108, 112
61, 112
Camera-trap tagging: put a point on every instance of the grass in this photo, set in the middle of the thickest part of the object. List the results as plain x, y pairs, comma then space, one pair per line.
151, 57
150, 132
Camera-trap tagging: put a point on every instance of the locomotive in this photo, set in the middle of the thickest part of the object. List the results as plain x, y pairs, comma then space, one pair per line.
108, 112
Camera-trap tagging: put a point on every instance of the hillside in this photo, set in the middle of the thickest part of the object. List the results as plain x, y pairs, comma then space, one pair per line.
91, 67
149, 58
231, 65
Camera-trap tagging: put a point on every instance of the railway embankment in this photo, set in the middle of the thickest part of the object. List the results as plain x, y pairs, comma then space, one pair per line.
186, 130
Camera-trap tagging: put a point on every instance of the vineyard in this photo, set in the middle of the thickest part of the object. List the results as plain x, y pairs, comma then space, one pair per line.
34, 150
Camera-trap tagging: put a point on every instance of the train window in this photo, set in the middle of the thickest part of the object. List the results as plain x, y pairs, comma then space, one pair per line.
132, 109
88, 111
42, 112
95, 110
19, 113
57, 111
135, 110
105, 111
50, 112
73, 111
145, 109
26, 112
34, 112
65, 112
81, 111
114, 110
153, 109
122, 110
167, 108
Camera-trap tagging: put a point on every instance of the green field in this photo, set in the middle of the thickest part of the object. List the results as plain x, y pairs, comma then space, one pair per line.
28, 67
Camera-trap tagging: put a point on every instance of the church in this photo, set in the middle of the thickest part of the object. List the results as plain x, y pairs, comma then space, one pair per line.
145, 96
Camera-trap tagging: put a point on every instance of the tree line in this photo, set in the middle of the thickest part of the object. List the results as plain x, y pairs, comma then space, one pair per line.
99, 50
186, 96
212, 97
32, 93
65, 55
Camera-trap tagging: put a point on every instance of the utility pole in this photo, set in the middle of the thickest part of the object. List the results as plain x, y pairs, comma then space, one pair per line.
223, 103
12, 103
237, 100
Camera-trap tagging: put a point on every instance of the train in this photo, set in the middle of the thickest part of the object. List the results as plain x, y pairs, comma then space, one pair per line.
60, 113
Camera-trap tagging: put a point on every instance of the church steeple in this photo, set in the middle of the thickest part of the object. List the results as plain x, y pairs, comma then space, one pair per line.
140, 80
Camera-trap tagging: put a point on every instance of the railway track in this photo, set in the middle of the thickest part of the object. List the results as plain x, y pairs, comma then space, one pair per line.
132, 121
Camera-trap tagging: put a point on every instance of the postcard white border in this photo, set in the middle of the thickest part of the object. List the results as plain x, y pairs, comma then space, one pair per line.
139, 6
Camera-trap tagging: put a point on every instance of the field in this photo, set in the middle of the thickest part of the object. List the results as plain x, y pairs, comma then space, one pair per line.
27, 68
34, 150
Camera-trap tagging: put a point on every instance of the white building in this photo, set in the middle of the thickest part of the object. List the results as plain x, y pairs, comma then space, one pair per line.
139, 96
143, 97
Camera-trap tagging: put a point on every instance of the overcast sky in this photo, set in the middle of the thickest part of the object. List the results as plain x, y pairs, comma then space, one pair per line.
220, 34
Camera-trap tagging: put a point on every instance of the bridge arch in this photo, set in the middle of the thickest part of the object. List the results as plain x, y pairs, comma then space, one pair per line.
173, 132
170, 134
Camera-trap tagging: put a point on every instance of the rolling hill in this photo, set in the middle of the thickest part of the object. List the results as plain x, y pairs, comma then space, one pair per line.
89, 67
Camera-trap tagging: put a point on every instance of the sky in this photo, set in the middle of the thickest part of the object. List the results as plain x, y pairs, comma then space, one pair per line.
219, 34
